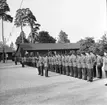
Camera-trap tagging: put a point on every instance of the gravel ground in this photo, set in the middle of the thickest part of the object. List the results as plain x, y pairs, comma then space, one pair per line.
22, 86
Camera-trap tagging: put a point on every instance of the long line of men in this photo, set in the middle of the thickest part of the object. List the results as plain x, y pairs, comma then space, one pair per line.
76, 64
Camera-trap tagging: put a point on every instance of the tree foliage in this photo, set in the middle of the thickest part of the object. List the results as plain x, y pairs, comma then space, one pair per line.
63, 37
103, 43
21, 38
86, 43
25, 17
44, 37
33, 37
4, 8
12, 45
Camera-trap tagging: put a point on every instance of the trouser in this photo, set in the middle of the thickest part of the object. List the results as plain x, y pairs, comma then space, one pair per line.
75, 72
15, 62
90, 74
94, 70
54, 68
23, 64
69, 73
72, 71
64, 72
41, 70
33, 64
46, 72
60, 70
49, 67
106, 73
84, 73
67, 70
57, 68
80, 73
99, 68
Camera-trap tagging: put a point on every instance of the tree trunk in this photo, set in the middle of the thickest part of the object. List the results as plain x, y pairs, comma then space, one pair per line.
22, 35
3, 57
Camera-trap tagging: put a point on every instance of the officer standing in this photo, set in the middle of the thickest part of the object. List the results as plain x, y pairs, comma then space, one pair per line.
41, 65
79, 66
71, 61
38, 65
99, 65
63, 64
74, 64
90, 67
84, 66
67, 65
94, 63
45, 61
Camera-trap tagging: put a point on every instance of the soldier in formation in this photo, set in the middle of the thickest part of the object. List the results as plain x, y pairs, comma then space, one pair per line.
75, 64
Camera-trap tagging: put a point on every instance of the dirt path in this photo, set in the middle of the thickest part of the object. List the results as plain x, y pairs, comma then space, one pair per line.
22, 86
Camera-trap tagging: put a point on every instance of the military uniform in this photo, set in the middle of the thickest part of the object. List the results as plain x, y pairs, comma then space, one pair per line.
63, 64
22, 60
94, 64
99, 66
71, 66
38, 66
75, 66
54, 63
57, 69
90, 68
79, 67
59, 64
45, 61
15, 59
67, 65
84, 67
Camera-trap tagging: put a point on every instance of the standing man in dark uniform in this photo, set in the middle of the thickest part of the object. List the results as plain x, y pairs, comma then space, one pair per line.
84, 66
94, 63
22, 57
74, 64
38, 64
45, 62
79, 65
99, 65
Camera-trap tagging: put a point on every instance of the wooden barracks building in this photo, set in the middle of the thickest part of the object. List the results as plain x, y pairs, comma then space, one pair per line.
46, 47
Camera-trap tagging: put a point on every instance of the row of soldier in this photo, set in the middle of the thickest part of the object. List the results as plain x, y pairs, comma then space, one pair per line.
75, 64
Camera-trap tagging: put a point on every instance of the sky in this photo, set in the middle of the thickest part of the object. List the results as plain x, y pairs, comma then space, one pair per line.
78, 18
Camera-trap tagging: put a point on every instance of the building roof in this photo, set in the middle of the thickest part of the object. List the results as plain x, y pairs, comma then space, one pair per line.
7, 49
49, 46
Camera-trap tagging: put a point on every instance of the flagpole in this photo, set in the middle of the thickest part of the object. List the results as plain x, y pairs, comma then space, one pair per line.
106, 16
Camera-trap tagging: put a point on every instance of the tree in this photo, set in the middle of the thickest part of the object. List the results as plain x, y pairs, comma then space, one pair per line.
63, 37
25, 17
44, 37
19, 39
32, 22
86, 43
103, 43
33, 37
12, 45
4, 8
